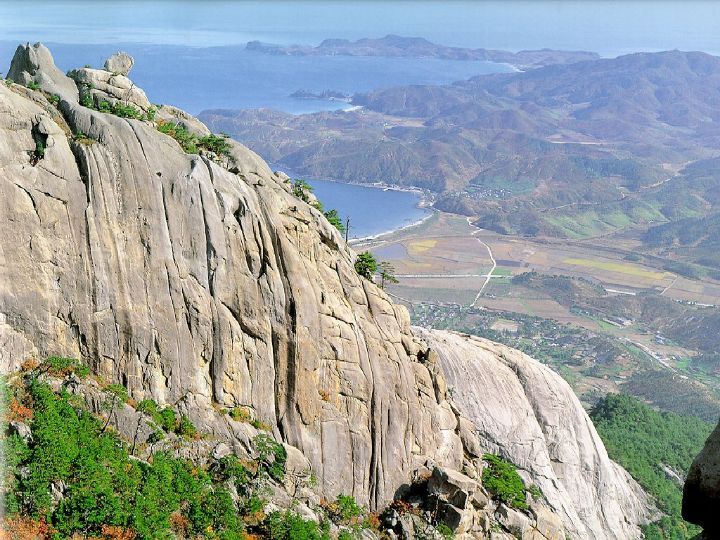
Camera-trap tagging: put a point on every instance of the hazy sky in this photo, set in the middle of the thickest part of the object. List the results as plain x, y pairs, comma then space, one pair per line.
607, 27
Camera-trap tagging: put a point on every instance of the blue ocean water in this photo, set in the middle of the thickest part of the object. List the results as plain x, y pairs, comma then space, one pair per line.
198, 78
371, 210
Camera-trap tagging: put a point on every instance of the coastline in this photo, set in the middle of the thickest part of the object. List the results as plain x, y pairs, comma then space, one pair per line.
425, 202
365, 240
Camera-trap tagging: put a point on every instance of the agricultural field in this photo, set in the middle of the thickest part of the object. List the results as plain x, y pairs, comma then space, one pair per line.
448, 255
604, 314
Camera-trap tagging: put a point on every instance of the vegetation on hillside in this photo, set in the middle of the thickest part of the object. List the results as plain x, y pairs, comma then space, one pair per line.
191, 143
657, 449
302, 190
502, 480
69, 474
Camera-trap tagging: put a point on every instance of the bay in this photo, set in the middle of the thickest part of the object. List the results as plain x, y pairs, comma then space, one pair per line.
372, 211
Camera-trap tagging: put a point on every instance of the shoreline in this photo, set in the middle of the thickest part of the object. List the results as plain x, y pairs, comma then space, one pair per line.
425, 202
355, 242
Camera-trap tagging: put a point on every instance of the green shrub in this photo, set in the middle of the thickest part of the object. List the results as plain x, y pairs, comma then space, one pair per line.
147, 406
291, 526
86, 99
168, 419
186, 428
215, 143
156, 436
271, 456
366, 265
445, 531
83, 138
535, 492
230, 468
334, 218
502, 480
61, 366
240, 414
185, 139
39, 152
190, 142
214, 513
150, 114
32, 85
302, 190
54, 99
258, 424
348, 509
125, 111
119, 391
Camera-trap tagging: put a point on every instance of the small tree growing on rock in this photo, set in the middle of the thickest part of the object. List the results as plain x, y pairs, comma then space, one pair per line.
387, 274
366, 265
302, 190
334, 218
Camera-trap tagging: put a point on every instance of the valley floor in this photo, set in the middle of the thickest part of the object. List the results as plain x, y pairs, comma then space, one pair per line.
453, 275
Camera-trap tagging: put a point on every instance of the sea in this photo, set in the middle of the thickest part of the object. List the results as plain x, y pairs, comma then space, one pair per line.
192, 53
371, 210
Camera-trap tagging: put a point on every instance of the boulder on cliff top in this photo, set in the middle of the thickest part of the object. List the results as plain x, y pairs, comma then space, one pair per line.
120, 63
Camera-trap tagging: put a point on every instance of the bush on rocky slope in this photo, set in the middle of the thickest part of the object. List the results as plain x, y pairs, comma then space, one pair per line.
501, 479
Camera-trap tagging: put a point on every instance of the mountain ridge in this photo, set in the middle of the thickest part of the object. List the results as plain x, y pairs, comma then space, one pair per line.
416, 47
513, 148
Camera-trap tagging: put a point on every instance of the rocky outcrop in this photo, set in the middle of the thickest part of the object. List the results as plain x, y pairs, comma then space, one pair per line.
35, 64
701, 493
100, 85
206, 285
526, 413
200, 281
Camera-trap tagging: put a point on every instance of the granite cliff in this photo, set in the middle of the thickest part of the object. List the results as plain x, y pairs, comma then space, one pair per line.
197, 279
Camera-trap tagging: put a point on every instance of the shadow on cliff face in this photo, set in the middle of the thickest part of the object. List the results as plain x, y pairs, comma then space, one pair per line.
701, 493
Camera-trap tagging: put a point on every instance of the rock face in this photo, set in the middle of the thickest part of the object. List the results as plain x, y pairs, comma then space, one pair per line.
101, 85
201, 287
201, 282
526, 413
701, 494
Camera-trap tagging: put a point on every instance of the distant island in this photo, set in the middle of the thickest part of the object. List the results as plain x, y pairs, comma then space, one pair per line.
414, 47
329, 95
